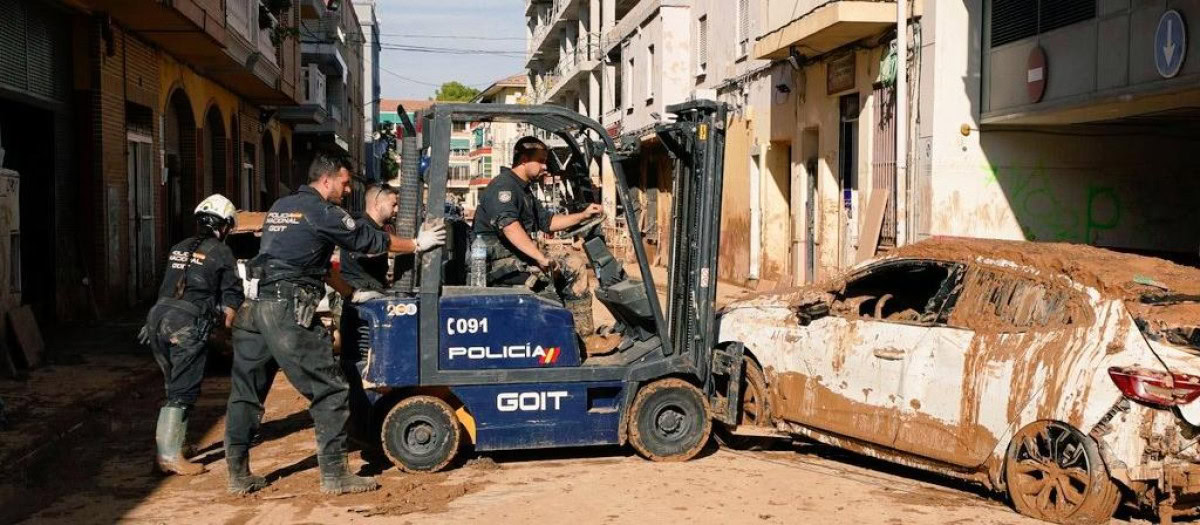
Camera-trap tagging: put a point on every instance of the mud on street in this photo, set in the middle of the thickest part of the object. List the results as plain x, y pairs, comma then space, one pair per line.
105, 475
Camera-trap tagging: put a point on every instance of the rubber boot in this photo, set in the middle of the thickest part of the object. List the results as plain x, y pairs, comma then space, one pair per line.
169, 436
241, 481
337, 479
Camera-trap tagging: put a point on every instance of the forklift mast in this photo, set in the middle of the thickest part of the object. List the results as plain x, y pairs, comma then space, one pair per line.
696, 141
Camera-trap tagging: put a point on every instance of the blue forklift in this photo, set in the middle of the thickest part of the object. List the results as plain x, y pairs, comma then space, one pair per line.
445, 366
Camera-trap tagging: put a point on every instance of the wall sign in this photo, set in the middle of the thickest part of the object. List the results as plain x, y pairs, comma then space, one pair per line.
1170, 44
1035, 75
839, 74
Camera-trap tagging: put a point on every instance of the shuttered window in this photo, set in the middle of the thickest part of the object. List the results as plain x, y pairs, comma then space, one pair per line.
743, 33
1014, 20
702, 45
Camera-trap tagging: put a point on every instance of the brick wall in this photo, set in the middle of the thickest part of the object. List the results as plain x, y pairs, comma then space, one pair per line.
130, 74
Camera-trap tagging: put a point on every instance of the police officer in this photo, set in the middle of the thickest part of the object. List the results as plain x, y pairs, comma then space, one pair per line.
367, 274
276, 329
200, 287
509, 215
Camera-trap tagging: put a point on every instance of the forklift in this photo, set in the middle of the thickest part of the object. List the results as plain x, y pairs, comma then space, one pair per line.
448, 366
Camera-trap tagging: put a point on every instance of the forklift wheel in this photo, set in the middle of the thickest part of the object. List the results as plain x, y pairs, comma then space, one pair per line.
669, 421
421, 434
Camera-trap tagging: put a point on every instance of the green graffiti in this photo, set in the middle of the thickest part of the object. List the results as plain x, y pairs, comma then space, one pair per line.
1049, 212
1099, 196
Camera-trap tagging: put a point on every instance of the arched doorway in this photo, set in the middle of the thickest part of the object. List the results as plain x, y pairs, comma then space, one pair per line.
216, 163
269, 184
287, 172
181, 167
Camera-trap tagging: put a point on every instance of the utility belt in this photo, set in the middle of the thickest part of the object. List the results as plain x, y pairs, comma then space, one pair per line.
304, 298
204, 320
503, 264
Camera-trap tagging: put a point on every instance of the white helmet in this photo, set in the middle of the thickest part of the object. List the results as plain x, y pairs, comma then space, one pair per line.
217, 213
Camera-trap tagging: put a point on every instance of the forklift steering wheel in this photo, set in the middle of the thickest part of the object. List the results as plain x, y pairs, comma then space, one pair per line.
584, 227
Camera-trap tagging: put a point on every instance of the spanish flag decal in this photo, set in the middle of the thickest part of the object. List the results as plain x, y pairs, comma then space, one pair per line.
551, 355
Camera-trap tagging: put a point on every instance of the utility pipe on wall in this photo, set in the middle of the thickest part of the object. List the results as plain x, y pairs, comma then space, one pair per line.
901, 100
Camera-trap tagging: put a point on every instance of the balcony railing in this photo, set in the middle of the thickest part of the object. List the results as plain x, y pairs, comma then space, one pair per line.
242, 16
312, 85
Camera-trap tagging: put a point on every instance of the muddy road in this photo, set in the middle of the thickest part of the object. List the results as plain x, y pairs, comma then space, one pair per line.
105, 475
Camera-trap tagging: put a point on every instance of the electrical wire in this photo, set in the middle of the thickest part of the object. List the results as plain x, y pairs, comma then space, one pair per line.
458, 37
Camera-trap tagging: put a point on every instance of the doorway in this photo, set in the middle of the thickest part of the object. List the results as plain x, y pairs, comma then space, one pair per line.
181, 167
848, 172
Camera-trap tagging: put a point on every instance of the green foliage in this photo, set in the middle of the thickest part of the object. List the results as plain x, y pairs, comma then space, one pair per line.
455, 92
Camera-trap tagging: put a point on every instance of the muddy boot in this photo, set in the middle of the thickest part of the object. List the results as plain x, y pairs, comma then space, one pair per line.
172, 428
337, 479
241, 481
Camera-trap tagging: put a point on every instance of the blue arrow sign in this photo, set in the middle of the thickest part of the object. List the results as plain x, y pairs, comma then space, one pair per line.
1170, 44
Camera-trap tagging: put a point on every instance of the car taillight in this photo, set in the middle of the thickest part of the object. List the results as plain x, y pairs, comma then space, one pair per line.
1154, 387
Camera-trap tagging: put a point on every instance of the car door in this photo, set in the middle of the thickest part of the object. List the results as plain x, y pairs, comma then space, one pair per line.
878, 318
958, 389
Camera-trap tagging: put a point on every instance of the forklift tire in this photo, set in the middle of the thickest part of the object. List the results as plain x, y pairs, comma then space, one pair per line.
421, 434
670, 421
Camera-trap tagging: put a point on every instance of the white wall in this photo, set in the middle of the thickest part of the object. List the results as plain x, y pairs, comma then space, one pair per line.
1127, 188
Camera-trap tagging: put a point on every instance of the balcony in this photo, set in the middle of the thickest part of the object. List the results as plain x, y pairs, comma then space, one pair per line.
824, 26
219, 37
313, 95
585, 57
193, 30
549, 32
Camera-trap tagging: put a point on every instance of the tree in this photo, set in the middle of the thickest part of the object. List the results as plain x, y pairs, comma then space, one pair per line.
455, 92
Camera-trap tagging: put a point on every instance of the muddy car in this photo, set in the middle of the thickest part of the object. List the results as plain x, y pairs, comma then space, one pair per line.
1062, 376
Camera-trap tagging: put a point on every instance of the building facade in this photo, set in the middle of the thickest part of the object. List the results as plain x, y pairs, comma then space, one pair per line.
372, 93
1065, 130
331, 115
118, 118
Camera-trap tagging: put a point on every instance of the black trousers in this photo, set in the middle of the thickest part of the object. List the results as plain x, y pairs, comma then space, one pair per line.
267, 338
177, 341
355, 342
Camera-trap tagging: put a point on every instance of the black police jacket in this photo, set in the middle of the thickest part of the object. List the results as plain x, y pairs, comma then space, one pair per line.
211, 282
300, 233
505, 200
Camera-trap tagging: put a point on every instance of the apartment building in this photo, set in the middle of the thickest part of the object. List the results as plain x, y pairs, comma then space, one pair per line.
372, 92
117, 118
330, 117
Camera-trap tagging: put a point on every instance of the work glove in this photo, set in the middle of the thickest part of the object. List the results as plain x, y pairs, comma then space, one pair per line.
431, 235
362, 296
144, 335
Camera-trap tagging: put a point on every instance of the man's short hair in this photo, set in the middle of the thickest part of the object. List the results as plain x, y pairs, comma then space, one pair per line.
377, 191
324, 164
525, 148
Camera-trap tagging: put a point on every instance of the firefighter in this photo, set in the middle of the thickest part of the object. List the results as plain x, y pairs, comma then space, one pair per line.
508, 217
276, 328
200, 287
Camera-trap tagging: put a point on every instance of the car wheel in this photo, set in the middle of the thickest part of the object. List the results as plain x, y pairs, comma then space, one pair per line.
421, 434
669, 421
1055, 473
755, 409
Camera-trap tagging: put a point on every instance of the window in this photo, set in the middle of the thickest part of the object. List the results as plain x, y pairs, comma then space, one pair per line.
743, 28
649, 74
625, 87
1014, 20
702, 45
1001, 300
907, 291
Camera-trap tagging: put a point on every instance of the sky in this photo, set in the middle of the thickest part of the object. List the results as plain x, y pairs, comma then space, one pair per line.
491, 26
